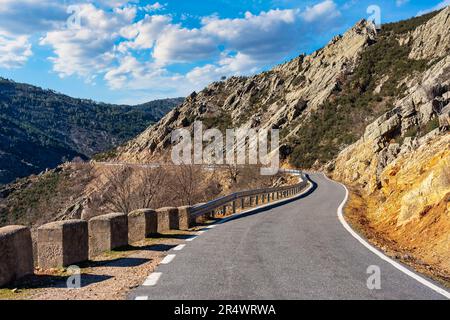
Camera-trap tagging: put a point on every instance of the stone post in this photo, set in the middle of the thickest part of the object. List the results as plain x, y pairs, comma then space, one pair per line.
107, 232
16, 253
63, 243
141, 224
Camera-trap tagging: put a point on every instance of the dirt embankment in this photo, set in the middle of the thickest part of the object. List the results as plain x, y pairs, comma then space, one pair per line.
409, 215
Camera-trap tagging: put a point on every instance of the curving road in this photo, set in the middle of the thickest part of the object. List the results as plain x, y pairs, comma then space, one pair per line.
297, 250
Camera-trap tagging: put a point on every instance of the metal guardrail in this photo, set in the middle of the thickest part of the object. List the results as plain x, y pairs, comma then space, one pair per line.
268, 194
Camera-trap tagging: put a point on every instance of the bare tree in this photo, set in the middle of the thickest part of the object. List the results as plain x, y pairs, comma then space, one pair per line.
186, 183
149, 182
118, 196
233, 172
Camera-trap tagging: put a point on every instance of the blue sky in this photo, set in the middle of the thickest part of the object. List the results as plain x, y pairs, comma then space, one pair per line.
134, 51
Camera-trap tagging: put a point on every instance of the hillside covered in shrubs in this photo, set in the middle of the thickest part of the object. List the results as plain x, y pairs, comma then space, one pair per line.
41, 128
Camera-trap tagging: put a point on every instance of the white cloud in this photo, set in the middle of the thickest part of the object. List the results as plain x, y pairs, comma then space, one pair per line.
136, 53
14, 52
144, 33
184, 45
88, 50
265, 36
246, 44
400, 3
24, 17
326, 10
154, 7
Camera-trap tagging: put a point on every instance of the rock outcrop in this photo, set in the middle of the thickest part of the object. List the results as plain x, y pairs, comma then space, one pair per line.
431, 40
416, 118
272, 99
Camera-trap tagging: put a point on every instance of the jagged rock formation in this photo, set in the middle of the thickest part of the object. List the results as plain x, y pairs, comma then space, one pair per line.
272, 99
431, 40
423, 113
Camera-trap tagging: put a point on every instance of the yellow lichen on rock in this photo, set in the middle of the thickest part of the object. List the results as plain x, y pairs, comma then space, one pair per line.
409, 212
417, 181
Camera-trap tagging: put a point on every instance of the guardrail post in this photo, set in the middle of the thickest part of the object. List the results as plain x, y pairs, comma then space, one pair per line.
242, 203
234, 206
268, 197
257, 200
251, 201
224, 210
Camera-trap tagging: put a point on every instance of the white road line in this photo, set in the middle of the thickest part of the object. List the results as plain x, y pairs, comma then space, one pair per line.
211, 226
152, 279
179, 247
200, 232
141, 298
168, 259
381, 255
191, 239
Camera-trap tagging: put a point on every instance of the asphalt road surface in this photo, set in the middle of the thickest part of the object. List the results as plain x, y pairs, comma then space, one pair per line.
297, 250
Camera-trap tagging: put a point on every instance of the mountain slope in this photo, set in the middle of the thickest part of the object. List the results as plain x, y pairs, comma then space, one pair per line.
40, 128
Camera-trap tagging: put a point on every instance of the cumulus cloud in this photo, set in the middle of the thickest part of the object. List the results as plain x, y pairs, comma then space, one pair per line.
326, 10
133, 46
88, 50
184, 45
264, 36
24, 17
236, 46
14, 52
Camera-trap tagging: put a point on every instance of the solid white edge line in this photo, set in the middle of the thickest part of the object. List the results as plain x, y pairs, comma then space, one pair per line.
168, 259
200, 232
179, 247
381, 255
191, 239
141, 298
152, 279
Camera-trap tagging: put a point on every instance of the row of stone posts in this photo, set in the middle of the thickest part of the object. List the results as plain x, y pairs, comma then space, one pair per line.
64, 243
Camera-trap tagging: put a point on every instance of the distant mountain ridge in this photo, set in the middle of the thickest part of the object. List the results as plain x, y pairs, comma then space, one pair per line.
41, 128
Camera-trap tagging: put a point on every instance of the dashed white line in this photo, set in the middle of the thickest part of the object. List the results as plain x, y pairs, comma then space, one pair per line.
380, 254
141, 298
179, 247
211, 226
168, 259
152, 279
